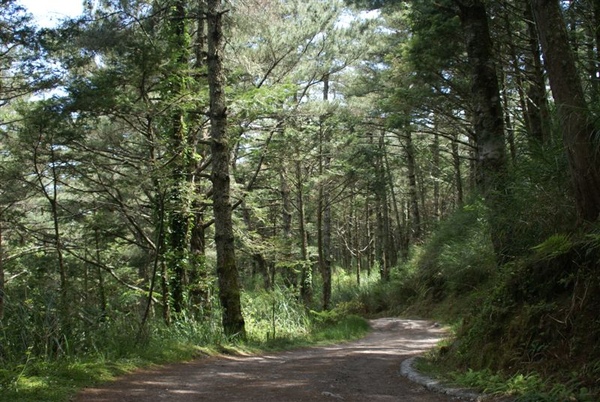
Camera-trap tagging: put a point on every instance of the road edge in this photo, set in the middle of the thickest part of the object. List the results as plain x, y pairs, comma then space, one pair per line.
407, 370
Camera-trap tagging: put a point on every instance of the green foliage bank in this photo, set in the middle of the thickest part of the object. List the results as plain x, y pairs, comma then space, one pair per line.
529, 328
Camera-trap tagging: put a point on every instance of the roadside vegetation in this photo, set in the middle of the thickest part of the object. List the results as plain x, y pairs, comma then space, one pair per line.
528, 329
274, 321
304, 164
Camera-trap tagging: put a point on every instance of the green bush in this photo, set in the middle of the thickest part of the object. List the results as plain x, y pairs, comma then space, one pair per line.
459, 256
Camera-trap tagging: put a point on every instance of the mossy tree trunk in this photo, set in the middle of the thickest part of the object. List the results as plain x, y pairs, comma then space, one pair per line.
179, 202
227, 273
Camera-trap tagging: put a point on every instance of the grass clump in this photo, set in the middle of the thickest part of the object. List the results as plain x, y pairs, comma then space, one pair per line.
275, 313
118, 349
331, 326
277, 319
459, 257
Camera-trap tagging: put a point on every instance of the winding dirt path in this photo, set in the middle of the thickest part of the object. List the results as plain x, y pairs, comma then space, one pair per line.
364, 370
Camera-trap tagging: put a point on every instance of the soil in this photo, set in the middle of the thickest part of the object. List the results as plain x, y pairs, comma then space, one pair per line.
364, 370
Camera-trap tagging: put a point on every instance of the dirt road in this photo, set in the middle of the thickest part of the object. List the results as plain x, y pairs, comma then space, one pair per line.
365, 370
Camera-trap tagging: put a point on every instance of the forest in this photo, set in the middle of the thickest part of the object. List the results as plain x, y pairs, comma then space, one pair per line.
208, 172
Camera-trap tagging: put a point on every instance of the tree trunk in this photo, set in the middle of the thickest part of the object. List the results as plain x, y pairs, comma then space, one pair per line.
385, 233
573, 113
286, 225
380, 241
591, 63
537, 114
435, 151
596, 19
457, 172
227, 273
101, 291
1, 271
370, 251
262, 268
488, 122
164, 292
324, 237
306, 268
327, 263
180, 216
153, 278
510, 132
324, 218
199, 278
411, 166
51, 195
354, 233
160, 223
64, 291
515, 63
398, 245
485, 98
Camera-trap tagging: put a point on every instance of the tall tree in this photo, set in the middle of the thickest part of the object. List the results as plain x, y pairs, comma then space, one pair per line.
579, 133
537, 115
229, 288
179, 200
324, 208
485, 97
16, 42
488, 124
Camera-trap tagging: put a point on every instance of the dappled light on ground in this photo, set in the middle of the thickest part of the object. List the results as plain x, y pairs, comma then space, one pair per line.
365, 370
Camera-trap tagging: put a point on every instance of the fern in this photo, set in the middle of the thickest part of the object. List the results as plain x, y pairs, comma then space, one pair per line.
554, 246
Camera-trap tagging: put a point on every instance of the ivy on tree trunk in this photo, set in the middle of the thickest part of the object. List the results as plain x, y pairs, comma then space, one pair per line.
227, 273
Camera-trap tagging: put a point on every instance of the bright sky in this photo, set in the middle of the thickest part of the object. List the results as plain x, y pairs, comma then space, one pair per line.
50, 12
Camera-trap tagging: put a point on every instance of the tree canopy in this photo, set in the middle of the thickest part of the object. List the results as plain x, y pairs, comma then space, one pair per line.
161, 159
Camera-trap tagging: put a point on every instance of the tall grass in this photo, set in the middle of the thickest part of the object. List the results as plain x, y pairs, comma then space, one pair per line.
54, 370
276, 313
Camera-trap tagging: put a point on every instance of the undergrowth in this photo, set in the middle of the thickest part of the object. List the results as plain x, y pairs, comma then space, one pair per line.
540, 319
531, 329
275, 321
528, 329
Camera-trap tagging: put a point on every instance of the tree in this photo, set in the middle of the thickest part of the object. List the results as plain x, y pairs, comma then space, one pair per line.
20, 73
578, 130
229, 288
324, 203
487, 113
180, 216
17, 78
